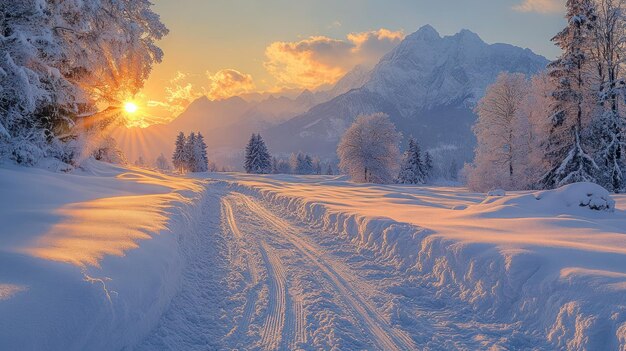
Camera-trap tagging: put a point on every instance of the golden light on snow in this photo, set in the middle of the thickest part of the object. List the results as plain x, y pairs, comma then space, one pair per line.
89, 231
131, 107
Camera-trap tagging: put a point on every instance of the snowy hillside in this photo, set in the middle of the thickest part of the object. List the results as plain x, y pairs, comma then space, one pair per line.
114, 258
427, 71
90, 260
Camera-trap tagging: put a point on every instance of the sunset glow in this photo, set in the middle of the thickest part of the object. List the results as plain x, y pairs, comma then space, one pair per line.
130, 107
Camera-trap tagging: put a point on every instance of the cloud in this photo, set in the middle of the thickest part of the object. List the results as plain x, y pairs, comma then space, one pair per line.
541, 6
229, 82
320, 60
179, 94
185, 88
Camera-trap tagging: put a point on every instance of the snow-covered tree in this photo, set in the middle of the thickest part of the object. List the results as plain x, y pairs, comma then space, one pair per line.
60, 61
368, 151
140, 162
565, 154
190, 152
107, 151
200, 159
497, 131
280, 166
412, 168
161, 163
608, 49
317, 166
329, 170
534, 131
257, 157
301, 164
179, 159
428, 166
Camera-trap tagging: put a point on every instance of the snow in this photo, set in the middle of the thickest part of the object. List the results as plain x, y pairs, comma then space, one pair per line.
125, 258
551, 266
497, 192
71, 274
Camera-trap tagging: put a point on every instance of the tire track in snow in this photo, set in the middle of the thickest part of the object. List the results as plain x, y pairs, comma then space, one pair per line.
272, 333
252, 295
385, 336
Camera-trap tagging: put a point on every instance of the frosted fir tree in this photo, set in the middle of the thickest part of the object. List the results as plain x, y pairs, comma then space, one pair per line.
275, 165
301, 164
368, 151
257, 158
190, 150
569, 162
412, 169
282, 167
200, 157
306, 166
179, 159
317, 166
329, 170
608, 49
428, 166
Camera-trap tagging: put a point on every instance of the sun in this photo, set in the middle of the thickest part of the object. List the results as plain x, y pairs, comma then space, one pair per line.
130, 107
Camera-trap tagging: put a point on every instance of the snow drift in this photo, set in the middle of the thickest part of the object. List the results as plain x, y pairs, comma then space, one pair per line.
548, 262
90, 260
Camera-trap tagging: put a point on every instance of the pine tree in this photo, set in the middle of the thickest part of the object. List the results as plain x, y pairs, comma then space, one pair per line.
329, 170
201, 160
565, 150
412, 169
307, 165
607, 133
257, 157
428, 166
317, 166
178, 158
190, 157
274, 165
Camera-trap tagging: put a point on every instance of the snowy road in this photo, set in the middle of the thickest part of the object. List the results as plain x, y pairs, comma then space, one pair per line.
257, 281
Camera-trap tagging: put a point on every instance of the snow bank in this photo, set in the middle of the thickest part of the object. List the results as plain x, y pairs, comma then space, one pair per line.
89, 260
559, 274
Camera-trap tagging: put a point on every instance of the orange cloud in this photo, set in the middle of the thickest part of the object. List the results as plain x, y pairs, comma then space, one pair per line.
184, 89
320, 60
179, 94
541, 6
229, 82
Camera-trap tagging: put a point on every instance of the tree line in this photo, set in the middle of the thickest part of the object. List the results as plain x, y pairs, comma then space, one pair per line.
565, 125
190, 153
257, 160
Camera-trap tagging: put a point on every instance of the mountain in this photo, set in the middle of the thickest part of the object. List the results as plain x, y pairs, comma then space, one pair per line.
428, 85
227, 124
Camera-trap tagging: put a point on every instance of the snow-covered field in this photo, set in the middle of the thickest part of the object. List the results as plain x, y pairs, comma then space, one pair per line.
112, 258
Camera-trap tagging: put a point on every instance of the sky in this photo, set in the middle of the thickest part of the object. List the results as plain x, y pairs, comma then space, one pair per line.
222, 48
